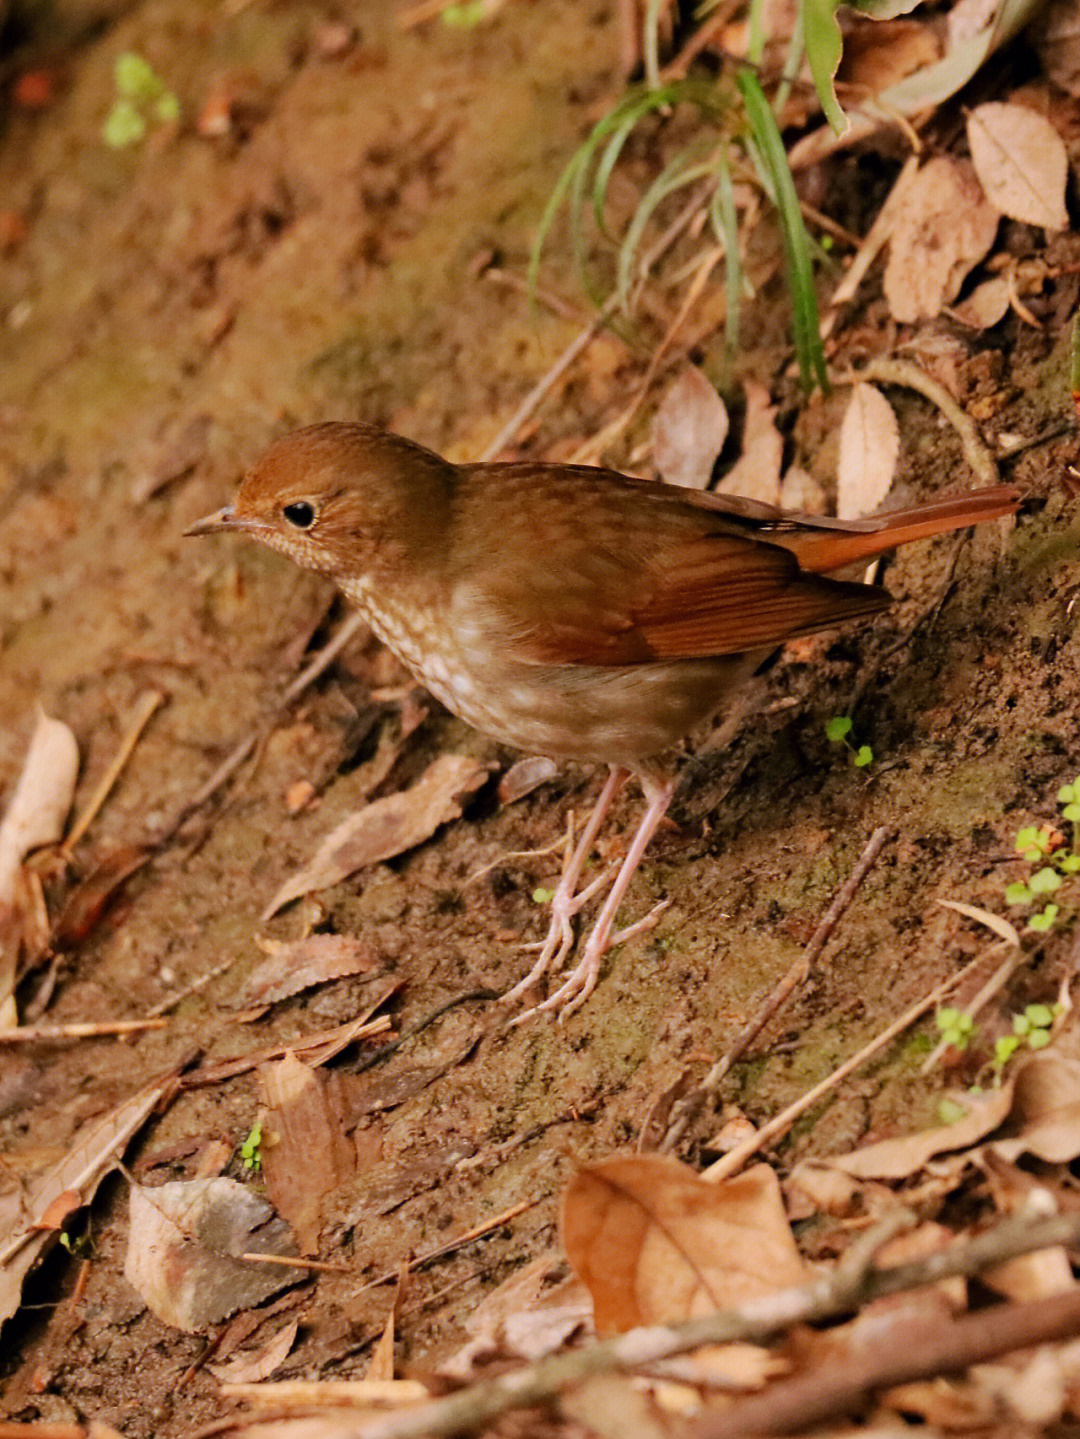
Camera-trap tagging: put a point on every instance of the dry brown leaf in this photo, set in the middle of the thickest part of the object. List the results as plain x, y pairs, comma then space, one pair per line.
526, 1316
41, 799
308, 1155
1046, 1107
985, 306
381, 1367
881, 53
524, 776
1021, 163
654, 1242
613, 1406
906, 1155
993, 922
800, 491
1032, 1276
869, 447
756, 473
301, 963
94, 1152
251, 1366
387, 827
945, 229
689, 430
184, 1243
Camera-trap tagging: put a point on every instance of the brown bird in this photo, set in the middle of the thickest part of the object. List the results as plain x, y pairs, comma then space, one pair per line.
565, 610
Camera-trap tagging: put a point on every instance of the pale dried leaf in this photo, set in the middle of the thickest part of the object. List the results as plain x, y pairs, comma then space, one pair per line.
301, 963
968, 18
654, 1242
1046, 1108
756, 474
945, 229
40, 802
1021, 163
1032, 1276
987, 304
524, 776
869, 447
823, 1190
184, 1243
993, 922
906, 1155
387, 827
251, 1366
613, 1406
689, 430
94, 1152
1032, 1389
1055, 34
881, 53
800, 491
381, 1367
310, 1155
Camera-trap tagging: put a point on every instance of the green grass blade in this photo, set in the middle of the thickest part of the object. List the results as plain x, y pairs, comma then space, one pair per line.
824, 46
769, 155
679, 172
725, 223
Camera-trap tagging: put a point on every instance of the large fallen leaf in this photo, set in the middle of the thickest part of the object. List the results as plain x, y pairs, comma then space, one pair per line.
655, 1242
689, 430
1021, 163
869, 446
185, 1240
387, 827
310, 1155
756, 473
945, 229
25, 1212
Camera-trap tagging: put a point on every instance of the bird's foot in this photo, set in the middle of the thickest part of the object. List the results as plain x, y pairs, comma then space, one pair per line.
565, 905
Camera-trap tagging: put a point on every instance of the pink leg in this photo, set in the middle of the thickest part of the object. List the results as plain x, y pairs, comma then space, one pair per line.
566, 902
582, 979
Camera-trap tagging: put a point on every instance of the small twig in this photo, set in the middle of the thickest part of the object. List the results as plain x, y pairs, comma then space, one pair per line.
796, 976
293, 1261
30, 1033
737, 1157
458, 1242
757, 1322
145, 709
353, 622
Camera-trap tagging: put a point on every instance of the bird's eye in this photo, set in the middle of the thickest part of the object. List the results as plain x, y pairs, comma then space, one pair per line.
300, 513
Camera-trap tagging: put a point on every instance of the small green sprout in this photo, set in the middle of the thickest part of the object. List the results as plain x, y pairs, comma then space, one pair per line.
541, 895
464, 16
141, 97
837, 730
1044, 920
950, 1112
1069, 796
1032, 1028
250, 1155
957, 1027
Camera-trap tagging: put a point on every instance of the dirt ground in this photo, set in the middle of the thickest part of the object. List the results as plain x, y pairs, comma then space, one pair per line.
173, 306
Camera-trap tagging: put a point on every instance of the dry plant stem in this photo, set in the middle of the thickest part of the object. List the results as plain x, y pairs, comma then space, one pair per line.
27, 1033
289, 1261
797, 975
10, 1430
902, 372
146, 707
732, 1162
911, 1350
838, 1293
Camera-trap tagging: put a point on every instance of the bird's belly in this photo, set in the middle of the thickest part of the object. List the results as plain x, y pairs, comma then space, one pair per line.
619, 715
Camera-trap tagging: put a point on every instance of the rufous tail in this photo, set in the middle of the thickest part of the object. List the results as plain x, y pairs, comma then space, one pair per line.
820, 552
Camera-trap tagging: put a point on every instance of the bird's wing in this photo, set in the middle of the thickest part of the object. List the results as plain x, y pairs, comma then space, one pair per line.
630, 573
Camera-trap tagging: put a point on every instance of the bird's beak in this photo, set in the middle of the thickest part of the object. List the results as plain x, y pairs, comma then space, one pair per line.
224, 519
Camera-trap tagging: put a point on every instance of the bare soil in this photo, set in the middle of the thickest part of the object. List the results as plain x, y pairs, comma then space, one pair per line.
175, 305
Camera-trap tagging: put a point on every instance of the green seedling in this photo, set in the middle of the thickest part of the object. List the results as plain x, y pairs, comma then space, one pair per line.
541, 895
1031, 1029
837, 730
957, 1027
250, 1150
142, 99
